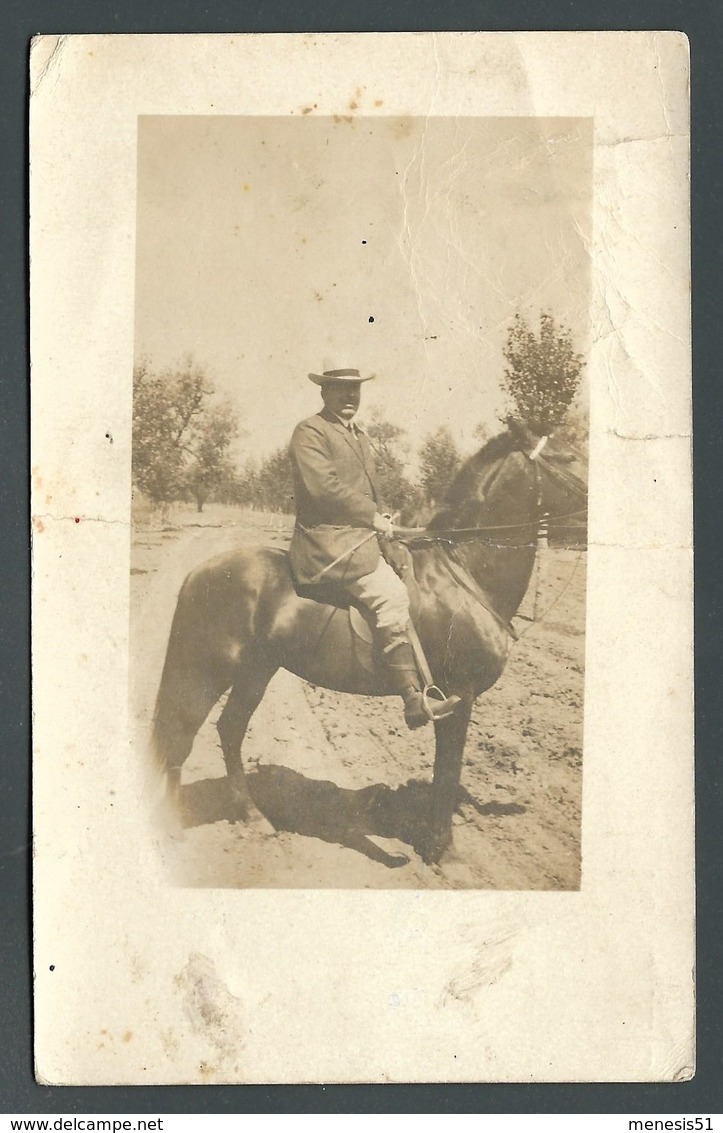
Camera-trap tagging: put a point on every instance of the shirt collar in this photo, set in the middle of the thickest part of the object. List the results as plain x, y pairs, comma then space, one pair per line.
350, 426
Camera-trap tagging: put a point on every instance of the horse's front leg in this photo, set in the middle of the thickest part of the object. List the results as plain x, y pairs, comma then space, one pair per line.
450, 739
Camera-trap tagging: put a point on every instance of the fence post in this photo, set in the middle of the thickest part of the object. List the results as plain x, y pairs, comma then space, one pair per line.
541, 559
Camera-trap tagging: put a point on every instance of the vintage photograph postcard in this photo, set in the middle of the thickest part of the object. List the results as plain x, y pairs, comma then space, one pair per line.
362, 558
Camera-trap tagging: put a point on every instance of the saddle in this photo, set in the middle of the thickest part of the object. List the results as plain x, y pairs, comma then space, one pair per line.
361, 621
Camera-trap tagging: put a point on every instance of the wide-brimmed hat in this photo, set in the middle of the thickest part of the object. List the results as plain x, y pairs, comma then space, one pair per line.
345, 375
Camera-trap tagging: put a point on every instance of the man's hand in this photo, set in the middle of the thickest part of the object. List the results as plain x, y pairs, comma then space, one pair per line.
383, 524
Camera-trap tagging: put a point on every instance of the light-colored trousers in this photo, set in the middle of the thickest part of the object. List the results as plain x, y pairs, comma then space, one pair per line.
384, 593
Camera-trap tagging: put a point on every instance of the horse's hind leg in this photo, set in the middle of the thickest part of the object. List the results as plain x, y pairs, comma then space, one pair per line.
244, 698
183, 705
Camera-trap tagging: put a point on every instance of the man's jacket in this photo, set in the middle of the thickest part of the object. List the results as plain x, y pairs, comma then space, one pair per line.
336, 496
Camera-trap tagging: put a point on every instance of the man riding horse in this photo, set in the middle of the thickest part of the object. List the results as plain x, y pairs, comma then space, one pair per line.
339, 523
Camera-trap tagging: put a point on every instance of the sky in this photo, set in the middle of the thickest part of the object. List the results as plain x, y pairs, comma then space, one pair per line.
267, 248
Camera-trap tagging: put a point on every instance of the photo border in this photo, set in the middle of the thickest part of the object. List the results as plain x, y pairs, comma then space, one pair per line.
703, 1093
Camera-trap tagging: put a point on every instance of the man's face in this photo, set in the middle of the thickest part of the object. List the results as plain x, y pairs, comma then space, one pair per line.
342, 398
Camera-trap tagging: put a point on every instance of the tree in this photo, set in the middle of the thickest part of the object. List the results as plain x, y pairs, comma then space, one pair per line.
181, 436
439, 459
482, 433
398, 493
543, 371
211, 470
157, 460
270, 486
575, 430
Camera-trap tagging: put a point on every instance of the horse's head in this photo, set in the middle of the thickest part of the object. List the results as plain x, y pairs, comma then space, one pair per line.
520, 473
560, 477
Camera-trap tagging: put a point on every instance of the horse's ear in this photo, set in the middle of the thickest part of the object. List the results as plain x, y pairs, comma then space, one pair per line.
564, 457
521, 435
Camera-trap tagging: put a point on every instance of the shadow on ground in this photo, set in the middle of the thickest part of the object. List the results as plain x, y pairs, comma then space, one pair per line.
318, 808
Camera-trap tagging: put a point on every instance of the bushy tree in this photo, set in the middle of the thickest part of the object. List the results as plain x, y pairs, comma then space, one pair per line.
269, 485
157, 459
181, 435
398, 493
543, 371
439, 459
211, 471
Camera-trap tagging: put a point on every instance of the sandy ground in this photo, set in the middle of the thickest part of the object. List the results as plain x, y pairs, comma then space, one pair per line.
340, 776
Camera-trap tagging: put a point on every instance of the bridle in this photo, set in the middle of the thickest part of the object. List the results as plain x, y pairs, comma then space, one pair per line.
419, 536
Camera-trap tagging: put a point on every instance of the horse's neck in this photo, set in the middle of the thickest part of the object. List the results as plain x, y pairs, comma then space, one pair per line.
501, 560
501, 572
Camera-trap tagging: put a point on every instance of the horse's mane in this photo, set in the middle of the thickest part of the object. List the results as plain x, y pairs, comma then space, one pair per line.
460, 490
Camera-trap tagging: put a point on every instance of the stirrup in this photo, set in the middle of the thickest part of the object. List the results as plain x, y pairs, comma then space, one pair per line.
432, 692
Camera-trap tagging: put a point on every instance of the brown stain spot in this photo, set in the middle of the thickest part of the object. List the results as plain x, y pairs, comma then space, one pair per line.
308, 109
77, 519
247, 188
379, 102
127, 1036
353, 105
38, 525
339, 118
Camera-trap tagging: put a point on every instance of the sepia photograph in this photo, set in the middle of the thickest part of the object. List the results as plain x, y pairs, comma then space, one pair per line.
362, 623
360, 433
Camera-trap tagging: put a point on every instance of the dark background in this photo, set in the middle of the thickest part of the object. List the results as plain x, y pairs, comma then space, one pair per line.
703, 23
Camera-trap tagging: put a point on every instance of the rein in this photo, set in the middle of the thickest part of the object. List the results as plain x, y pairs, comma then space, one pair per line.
535, 618
454, 535
418, 537
421, 535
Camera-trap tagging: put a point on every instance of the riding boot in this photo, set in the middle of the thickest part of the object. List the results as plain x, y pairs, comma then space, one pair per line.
419, 708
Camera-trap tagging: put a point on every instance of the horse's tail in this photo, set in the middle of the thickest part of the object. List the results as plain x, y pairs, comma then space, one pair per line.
215, 621
163, 735
187, 691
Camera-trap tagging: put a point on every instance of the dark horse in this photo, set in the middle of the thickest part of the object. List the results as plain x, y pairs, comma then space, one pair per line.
239, 619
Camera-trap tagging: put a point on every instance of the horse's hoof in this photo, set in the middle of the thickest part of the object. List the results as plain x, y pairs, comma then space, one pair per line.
260, 826
168, 821
254, 821
432, 847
